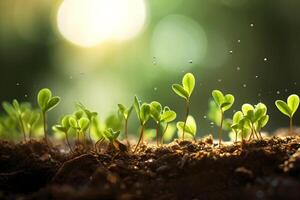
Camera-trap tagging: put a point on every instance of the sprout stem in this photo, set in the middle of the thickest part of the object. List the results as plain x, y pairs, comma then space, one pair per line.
186, 116
157, 130
221, 127
45, 126
140, 139
162, 135
126, 132
67, 140
22, 127
291, 125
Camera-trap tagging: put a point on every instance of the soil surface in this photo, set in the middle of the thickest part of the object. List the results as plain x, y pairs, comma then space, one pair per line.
266, 169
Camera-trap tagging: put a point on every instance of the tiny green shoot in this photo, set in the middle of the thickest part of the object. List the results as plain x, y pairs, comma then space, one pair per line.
160, 115
46, 103
143, 112
125, 112
185, 91
189, 127
64, 127
224, 102
289, 108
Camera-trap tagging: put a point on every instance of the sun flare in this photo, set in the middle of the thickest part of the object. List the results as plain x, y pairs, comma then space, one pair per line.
90, 22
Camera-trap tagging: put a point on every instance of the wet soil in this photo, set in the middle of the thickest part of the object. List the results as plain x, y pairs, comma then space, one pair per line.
266, 169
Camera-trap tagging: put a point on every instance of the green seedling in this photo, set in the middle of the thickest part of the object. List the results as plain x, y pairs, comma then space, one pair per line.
224, 103
112, 136
31, 120
79, 123
15, 111
143, 113
46, 103
256, 117
125, 112
189, 127
185, 91
214, 115
240, 126
64, 127
289, 108
89, 114
160, 115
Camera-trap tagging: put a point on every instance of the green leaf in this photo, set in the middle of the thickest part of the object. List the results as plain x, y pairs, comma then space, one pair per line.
43, 98
73, 122
247, 107
293, 103
137, 106
190, 126
83, 123
168, 116
16, 106
65, 121
155, 109
188, 82
54, 101
128, 112
9, 109
218, 97
145, 113
237, 117
122, 108
284, 108
229, 100
263, 121
180, 91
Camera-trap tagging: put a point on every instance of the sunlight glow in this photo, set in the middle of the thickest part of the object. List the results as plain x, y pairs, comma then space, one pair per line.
90, 22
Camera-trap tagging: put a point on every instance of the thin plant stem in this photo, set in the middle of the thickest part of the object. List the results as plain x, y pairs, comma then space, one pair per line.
68, 142
157, 131
162, 135
140, 139
45, 127
186, 116
235, 135
22, 127
291, 125
126, 132
221, 127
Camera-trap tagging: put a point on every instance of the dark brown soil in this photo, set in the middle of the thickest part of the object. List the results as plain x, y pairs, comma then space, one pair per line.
268, 169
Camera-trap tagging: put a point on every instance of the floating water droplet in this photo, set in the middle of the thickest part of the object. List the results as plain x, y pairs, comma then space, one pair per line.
230, 51
238, 68
295, 83
251, 25
212, 123
256, 76
71, 77
155, 89
190, 61
265, 59
219, 80
244, 85
25, 95
204, 116
239, 41
259, 94
233, 111
182, 71
278, 92
286, 90
17, 84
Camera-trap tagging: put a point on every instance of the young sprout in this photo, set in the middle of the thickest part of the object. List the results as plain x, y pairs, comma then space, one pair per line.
80, 124
125, 112
189, 127
224, 103
185, 91
89, 114
166, 115
111, 136
236, 126
289, 108
15, 112
46, 103
64, 127
31, 120
254, 115
143, 114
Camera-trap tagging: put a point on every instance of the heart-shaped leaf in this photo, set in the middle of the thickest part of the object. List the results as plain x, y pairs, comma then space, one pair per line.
180, 91
43, 98
218, 97
284, 108
293, 103
188, 82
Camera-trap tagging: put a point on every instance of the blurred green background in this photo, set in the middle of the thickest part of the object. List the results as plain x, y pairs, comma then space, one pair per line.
249, 48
